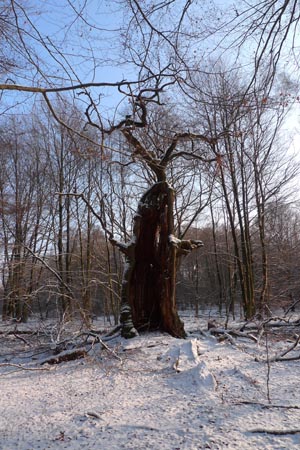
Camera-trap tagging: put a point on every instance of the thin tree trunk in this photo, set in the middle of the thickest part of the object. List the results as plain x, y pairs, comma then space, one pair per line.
216, 258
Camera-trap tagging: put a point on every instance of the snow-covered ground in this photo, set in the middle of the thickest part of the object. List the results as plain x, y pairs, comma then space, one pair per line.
151, 392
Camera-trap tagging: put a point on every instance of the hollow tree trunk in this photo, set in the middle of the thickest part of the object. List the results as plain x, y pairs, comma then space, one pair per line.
151, 264
149, 281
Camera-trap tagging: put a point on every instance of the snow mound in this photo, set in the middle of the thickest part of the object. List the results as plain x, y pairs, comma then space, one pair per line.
191, 372
183, 355
194, 379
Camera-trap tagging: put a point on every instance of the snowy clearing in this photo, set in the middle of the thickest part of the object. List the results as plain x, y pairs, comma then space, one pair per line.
151, 392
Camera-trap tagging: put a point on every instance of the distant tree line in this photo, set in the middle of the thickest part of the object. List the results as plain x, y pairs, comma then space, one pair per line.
120, 193
58, 259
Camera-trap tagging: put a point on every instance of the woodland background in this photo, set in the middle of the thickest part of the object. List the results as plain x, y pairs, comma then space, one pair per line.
64, 160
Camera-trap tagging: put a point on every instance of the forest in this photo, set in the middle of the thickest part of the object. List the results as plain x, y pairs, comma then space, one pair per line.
149, 224
148, 160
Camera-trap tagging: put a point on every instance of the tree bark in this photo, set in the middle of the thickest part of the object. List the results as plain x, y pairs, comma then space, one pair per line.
152, 257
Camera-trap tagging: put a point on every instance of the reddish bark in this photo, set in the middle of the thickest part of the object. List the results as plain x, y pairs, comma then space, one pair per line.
151, 276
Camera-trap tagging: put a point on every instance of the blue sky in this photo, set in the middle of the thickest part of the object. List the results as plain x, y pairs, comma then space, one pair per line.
80, 39
82, 50
86, 49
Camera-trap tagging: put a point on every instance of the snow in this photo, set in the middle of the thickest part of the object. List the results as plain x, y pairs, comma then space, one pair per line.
162, 394
174, 240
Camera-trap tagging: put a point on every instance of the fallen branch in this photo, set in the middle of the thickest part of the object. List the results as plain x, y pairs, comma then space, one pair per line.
110, 335
290, 358
22, 339
281, 356
19, 366
67, 355
110, 350
97, 339
271, 322
266, 405
17, 332
282, 322
93, 414
234, 333
276, 432
292, 347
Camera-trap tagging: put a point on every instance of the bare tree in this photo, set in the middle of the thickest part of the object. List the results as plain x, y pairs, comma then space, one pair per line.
251, 171
154, 149
270, 29
23, 201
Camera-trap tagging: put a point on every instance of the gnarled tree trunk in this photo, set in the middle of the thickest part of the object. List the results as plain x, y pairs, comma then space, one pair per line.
148, 294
